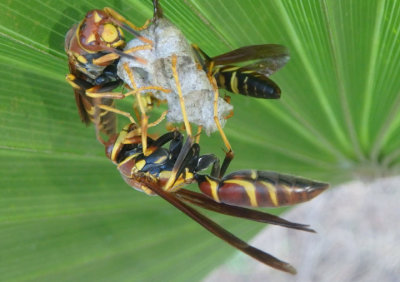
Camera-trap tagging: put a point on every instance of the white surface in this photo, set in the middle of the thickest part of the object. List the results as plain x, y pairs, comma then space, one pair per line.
358, 239
196, 89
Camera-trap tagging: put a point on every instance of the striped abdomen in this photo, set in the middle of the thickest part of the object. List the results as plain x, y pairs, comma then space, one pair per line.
260, 188
247, 82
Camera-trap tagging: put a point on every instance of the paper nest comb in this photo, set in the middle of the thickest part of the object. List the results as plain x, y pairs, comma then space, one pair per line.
197, 90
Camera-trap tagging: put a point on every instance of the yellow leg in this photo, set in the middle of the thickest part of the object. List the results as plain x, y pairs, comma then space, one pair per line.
197, 140
114, 110
160, 119
169, 186
145, 88
181, 100
147, 99
120, 18
229, 155
108, 58
96, 115
71, 79
170, 126
138, 48
144, 117
97, 125
216, 119
110, 95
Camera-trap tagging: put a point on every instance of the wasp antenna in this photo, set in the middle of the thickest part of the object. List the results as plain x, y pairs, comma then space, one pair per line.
123, 54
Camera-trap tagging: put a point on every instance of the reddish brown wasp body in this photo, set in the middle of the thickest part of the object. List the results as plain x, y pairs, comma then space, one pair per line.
253, 188
93, 47
165, 171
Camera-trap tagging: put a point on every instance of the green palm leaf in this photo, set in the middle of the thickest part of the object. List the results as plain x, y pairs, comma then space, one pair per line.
66, 213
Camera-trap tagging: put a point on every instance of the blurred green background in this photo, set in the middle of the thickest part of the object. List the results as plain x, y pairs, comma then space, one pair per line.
66, 214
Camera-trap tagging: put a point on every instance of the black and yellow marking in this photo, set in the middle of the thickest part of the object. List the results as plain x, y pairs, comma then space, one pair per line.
246, 82
248, 187
214, 188
259, 188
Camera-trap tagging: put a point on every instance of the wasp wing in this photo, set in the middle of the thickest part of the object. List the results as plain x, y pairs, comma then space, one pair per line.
268, 58
220, 232
207, 203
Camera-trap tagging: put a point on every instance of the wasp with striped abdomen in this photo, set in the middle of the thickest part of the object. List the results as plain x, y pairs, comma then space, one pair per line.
165, 171
93, 47
251, 79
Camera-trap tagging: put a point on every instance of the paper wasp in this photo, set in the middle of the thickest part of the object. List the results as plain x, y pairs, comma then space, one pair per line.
93, 47
165, 171
251, 79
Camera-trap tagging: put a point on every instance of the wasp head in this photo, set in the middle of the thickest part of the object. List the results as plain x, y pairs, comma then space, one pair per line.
99, 31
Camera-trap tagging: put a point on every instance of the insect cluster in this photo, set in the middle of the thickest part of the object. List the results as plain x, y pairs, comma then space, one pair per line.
157, 65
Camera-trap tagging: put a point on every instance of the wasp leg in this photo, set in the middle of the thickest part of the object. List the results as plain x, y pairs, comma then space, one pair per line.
130, 27
229, 155
207, 203
115, 54
199, 129
96, 92
220, 232
98, 123
101, 92
147, 100
181, 100
126, 53
160, 119
105, 59
88, 106
122, 19
167, 137
144, 118
107, 95
144, 88
104, 91
186, 155
203, 59
206, 161
208, 65
138, 48
114, 110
